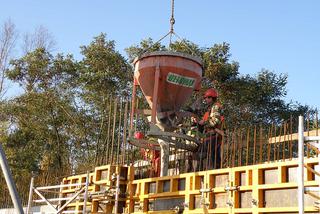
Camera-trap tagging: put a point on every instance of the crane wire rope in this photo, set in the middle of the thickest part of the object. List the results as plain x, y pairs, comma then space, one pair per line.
171, 33
172, 21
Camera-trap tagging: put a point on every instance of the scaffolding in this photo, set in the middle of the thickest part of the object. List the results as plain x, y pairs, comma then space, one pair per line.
313, 141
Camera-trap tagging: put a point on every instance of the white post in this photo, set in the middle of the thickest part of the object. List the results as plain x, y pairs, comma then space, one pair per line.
301, 165
86, 194
116, 204
60, 195
10, 183
164, 155
30, 195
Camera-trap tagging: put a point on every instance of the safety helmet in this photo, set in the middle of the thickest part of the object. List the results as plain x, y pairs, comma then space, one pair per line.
211, 93
138, 135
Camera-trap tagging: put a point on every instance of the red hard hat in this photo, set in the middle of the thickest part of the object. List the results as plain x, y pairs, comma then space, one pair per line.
211, 93
138, 135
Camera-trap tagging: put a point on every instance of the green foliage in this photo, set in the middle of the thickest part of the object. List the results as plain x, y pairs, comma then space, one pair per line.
146, 45
103, 70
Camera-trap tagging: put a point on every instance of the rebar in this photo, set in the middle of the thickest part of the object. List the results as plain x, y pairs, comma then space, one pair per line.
254, 144
108, 132
113, 128
119, 133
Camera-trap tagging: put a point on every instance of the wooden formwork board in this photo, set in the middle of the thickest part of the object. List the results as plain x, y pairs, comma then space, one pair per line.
293, 136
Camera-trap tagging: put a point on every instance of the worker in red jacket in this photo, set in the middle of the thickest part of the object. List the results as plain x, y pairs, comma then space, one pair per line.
208, 152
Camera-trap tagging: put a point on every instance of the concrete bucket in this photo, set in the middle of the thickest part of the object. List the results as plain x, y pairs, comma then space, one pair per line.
167, 80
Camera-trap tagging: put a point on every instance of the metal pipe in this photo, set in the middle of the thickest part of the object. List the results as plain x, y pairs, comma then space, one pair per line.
248, 145
155, 94
275, 144
119, 134
235, 151
44, 199
164, 154
124, 137
30, 195
108, 132
85, 199
113, 128
116, 203
59, 186
269, 145
301, 166
261, 144
70, 200
240, 149
60, 195
254, 144
10, 183
133, 104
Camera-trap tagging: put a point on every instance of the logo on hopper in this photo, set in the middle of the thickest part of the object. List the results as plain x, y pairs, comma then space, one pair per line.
181, 80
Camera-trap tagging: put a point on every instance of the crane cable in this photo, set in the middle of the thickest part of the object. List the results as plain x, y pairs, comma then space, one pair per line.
171, 33
172, 21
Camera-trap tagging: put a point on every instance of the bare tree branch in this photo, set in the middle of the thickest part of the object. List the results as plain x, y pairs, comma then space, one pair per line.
40, 38
8, 37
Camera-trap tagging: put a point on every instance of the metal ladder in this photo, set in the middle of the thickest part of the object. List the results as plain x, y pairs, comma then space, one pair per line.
314, 141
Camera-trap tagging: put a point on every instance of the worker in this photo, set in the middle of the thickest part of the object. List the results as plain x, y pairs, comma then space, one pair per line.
150, 155
208, 153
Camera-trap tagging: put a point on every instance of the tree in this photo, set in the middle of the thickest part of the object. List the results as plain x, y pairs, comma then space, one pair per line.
103, 70
43, 111
8, 36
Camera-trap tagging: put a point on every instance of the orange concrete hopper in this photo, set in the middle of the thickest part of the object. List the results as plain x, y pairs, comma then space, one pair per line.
167, 80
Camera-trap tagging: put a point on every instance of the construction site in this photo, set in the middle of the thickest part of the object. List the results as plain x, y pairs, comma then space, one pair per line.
164, 157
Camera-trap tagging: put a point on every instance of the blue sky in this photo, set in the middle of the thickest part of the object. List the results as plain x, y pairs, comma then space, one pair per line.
281, 36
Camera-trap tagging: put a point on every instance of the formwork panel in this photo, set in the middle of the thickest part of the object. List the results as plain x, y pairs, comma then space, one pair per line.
178, 184
280, 198
220, 180
166, 186
316, 167
104, 174
151, 187
159, 204
245, 199
292, 174
220, 200
243, 179
270, 176
285, 198
197, 201
199, 182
